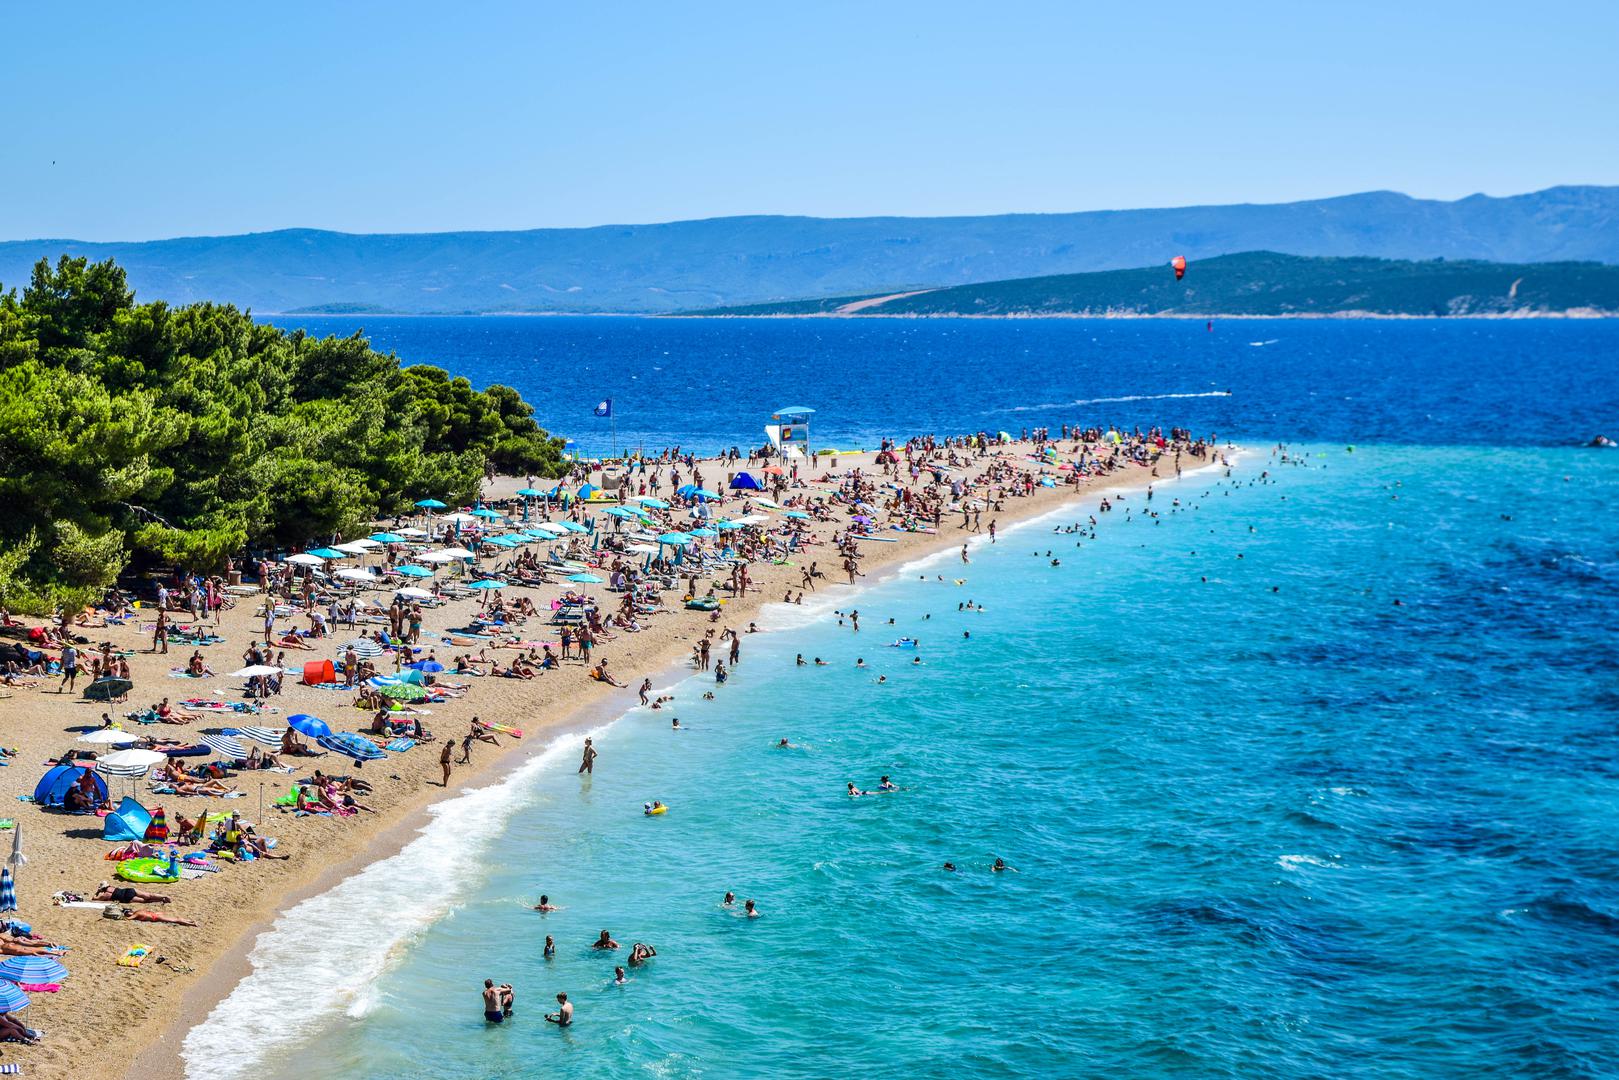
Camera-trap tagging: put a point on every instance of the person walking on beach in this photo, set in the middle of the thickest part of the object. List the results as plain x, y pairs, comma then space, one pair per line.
497, 1001
70, 667
444, 760
588, 763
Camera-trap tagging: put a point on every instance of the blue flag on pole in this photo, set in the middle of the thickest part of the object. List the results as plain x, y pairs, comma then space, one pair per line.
605, 408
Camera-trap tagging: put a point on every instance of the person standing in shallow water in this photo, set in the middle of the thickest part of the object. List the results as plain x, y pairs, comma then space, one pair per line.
587, 764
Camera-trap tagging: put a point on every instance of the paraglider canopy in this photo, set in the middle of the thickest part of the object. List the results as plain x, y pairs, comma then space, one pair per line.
1179, 263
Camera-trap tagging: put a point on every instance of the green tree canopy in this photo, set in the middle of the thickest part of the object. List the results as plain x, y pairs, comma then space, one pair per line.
141, 431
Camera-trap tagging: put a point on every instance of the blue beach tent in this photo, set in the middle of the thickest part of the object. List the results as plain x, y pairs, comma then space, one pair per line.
744, 482
53, 786
128, 822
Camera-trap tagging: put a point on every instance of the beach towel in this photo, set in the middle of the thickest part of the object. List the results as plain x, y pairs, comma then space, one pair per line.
133, 956
399, 746
40, 988
87, 905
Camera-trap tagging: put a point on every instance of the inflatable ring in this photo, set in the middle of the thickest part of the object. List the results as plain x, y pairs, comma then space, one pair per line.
146, 870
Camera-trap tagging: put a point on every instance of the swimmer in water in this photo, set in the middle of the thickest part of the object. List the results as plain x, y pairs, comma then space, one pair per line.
550, 948
950, 867
729, 901
800, 661
604, 942
749, 910
887, 785
563, 1017
784, 745
881, 679
545, 904
854, 791
1000, 865
860, 662
915, 660
819, 662
618, 976
674, 724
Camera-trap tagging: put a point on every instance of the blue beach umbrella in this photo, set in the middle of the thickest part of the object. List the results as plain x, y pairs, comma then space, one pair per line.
331, 553
32, 969
413, 571
656, 504
430, 504
485, 512
585, 579
573, 526
703, 532
799, 514
675, 538
8, 891
427, 665
728, 525
502, 541
387, 538
312, 726
12, 999
486, 584
530, 493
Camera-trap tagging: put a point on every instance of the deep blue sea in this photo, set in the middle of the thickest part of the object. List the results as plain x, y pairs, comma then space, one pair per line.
1306, 769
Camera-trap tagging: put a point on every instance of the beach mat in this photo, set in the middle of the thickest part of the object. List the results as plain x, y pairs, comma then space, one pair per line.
134, 955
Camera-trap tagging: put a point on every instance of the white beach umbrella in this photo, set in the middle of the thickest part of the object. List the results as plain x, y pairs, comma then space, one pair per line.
356, 574
17, 857
304, 559
267, 736
108, 737
411, 532
436, 557
458, 553
550, 527
130, 762
360, 546
643, 549
253, 670
458, 516
413, 593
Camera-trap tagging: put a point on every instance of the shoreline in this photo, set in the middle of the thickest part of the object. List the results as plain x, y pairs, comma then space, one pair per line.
1508, 316
160, 1059
156, 1006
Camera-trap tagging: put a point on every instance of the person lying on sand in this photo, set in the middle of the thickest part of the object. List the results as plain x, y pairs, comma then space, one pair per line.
124, 894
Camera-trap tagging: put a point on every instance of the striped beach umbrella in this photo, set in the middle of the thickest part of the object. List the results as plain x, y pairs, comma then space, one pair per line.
32, 969
226, 746
12, 999
260, 735
364, 648
130, 763
8, 891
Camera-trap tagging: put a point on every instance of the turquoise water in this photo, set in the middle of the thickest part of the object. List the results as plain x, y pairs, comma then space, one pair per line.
1265, 821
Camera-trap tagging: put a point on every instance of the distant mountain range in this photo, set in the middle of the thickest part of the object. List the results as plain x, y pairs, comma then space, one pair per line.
1256, 283
690, 265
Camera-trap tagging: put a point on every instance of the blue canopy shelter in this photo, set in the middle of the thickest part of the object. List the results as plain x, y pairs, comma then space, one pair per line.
54, 785
128, 822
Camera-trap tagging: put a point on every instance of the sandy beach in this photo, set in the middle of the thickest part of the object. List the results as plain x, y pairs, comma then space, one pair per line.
109, 1019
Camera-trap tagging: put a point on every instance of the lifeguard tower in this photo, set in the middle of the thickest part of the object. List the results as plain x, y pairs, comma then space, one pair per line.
790, 432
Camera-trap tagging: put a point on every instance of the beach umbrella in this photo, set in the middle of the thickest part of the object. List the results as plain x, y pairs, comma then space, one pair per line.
485, 512
502, 541
413, 571
17, 858
862, 519
675, 538
108, 737
647, 500
705, 531
487, 584
261, 735
456, 553
32, 969
620, 512
388, 537
358, 547
411, 592
427, 665
12, 999
105, 689
403, 692
534, 534
8, 891
728, 525
329, 553
555, 529
643, 549
364, 648
255, 670
530, 493
130, 763
773, 470
302, 559
796, 514
412, 531
461, 517
226, 746
585, 579
429, 504
769, 503
437, 557
312, 726
573, 526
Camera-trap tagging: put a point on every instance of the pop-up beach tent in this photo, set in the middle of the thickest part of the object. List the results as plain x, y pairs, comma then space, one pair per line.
129, 822
54, 785
319, 672
744, 482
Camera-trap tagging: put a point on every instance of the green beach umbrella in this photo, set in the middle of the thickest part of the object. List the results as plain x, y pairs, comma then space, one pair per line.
403, 692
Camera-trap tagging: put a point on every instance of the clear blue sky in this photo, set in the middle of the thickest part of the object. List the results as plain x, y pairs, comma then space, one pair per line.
141, 121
